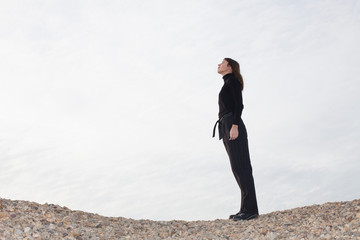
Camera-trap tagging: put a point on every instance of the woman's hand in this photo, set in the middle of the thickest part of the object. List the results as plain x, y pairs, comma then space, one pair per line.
234, 132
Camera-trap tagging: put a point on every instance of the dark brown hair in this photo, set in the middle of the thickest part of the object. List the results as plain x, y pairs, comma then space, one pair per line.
235, 70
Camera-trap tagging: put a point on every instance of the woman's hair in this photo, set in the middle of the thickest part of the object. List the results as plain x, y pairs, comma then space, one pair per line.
235, 70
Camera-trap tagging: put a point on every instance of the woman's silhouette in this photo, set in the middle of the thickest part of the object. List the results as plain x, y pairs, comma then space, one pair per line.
233, 133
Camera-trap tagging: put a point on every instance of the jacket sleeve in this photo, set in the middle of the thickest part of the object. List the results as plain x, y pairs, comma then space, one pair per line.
236, 96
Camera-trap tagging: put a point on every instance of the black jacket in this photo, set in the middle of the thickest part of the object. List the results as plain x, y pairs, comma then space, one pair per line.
230, 98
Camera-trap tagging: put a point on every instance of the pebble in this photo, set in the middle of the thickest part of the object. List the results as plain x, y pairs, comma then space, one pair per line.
29, 220
4, 215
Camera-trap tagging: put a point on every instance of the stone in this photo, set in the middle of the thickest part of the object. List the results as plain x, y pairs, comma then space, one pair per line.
18, 231
4, 216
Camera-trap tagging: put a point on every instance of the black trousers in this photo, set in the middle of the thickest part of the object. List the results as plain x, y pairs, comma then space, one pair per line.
238, 152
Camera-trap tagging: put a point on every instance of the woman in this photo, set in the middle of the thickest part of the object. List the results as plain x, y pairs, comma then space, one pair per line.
233, 132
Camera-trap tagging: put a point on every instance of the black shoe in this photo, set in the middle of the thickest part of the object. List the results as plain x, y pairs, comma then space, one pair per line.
234, 215
245, 216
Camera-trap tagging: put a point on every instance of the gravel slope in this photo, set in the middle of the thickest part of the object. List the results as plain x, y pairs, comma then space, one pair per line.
29, 220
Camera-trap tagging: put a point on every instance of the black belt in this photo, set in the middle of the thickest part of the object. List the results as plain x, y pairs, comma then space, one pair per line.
218, 121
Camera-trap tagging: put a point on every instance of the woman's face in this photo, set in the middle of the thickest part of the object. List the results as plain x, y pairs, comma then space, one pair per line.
224, 68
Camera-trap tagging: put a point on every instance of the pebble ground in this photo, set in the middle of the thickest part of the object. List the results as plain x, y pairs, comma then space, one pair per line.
29, 220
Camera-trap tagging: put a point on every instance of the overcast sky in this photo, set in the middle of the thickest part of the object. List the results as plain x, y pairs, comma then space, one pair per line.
108, 106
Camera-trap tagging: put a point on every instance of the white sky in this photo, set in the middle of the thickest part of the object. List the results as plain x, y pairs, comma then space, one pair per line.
108, 106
